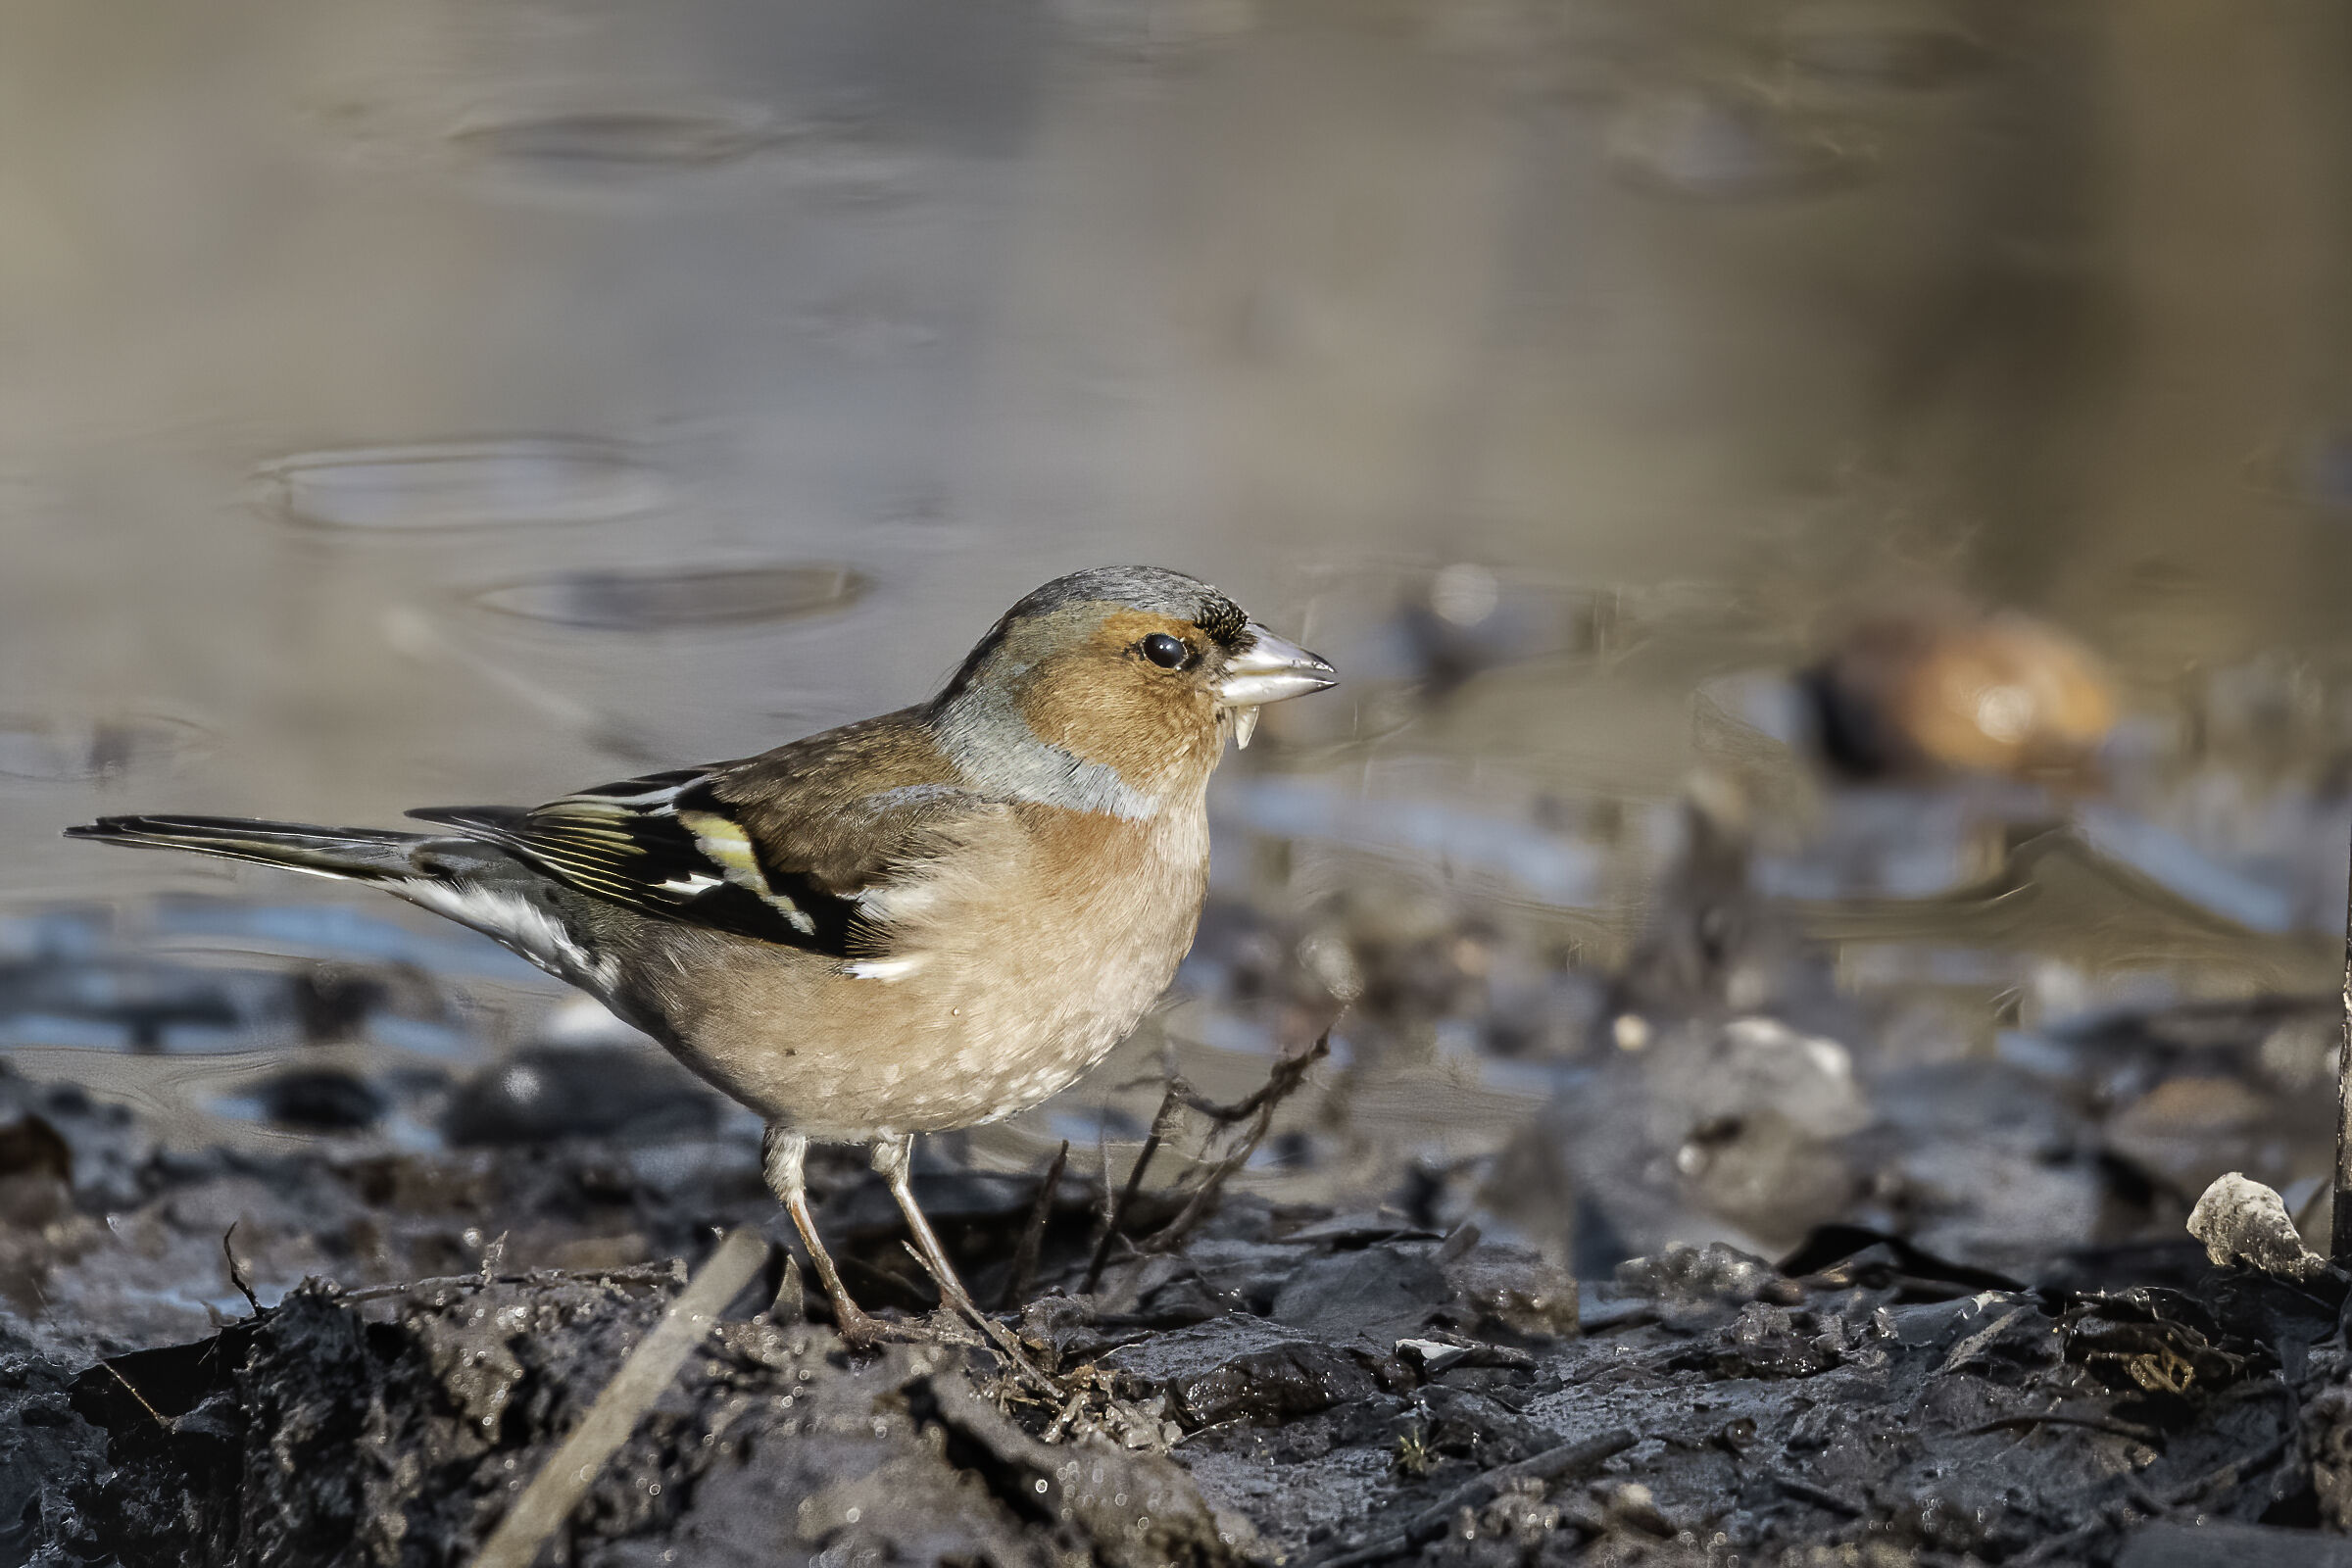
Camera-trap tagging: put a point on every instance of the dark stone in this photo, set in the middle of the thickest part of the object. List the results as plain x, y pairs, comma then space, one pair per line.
544, 1093
1271, 1385
322, 1099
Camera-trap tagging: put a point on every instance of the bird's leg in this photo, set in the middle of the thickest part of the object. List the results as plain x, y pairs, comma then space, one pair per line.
891, 1157
781, 1155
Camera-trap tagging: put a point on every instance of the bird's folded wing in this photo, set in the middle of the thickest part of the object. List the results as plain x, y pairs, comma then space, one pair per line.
697, 845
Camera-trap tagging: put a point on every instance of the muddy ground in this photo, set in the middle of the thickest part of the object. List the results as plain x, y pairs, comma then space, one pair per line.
1287, 1383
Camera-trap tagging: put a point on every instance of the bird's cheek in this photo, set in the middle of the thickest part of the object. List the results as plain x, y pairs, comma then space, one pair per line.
1137, 732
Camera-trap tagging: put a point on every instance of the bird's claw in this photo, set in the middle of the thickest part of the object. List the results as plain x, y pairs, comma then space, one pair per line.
861, 1331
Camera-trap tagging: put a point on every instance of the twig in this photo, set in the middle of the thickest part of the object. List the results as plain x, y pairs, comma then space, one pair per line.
1819, 1497
1163, 1124
2052, 1418
1061, 1422
236, 1275
136, 1395
1431, 1522
2339, 1226
1033, 1234
578, 1459
670, 1272
1288, 1074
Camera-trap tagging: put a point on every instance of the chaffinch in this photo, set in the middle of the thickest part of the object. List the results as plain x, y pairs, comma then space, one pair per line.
916, 922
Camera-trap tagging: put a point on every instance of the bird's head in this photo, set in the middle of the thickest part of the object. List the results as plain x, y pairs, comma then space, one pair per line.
1135, 669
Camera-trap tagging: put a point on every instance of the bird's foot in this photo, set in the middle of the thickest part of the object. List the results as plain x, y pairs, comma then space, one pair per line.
863, 1331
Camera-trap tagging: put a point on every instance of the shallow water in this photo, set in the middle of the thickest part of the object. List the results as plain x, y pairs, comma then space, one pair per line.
419, 404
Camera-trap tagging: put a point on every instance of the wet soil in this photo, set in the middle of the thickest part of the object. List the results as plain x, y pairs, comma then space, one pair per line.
1287, 1383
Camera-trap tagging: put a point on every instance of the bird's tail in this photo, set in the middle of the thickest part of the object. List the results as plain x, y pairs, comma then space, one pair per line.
363, 854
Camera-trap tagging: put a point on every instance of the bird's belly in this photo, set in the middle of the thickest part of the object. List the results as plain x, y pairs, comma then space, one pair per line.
956, 1042
866, 1058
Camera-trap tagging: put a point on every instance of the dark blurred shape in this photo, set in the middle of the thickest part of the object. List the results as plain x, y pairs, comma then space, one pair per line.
320, 1100
1712, 944
1852, 1253
53, 1134
546, 1092
661, 600
463, 484
590, 139
1714, 145
1938, 688
331, 1000
1466, 620
1886, 47
36, 1175
31, 1147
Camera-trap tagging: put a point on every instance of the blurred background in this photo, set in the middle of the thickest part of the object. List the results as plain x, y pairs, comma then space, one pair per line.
1833, 517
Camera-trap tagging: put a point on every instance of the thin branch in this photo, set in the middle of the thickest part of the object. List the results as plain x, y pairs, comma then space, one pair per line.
1552, 1464
670, 1272
1288, 1074
1163, 1124
236, 1275
136, 1395
1019, 1282
1822, 1497
2144, 1436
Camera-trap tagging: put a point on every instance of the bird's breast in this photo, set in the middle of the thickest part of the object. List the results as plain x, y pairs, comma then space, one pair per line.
1002, 974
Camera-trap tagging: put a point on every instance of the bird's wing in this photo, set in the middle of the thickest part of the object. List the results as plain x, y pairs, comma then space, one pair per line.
696, 845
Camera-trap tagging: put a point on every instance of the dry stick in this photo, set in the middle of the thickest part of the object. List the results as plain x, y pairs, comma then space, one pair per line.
1552, 1464
1804, 1491
2339, 1230
1203, 1200
577, 1460
1288, 1074
136, 1395
1163, 1124
236, 1275
2143, 1436
1033, 1234
673, 1272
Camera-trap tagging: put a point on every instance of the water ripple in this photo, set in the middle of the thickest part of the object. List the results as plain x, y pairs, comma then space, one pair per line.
638, 600
462, 484
62, 749
590, 139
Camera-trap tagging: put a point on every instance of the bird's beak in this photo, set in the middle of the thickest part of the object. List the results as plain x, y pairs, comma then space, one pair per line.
1270, 669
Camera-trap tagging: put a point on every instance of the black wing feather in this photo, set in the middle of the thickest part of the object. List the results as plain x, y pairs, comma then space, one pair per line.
665, 845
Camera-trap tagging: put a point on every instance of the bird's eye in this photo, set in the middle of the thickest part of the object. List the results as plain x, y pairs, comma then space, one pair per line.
1164, 650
